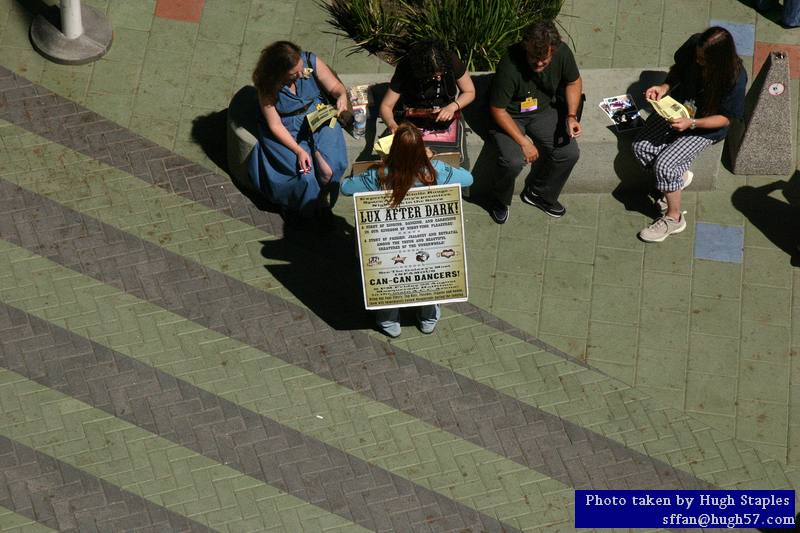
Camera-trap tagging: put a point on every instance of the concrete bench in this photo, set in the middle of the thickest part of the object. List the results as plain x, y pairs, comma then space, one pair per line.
606, 158
242, 134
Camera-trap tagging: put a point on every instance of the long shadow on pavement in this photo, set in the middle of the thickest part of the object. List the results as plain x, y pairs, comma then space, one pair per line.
322, 271
209, 132
778, 220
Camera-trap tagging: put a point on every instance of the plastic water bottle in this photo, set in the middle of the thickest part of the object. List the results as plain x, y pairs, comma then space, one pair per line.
359, 123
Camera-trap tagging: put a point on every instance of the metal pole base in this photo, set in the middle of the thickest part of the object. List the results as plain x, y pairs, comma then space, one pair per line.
91, 45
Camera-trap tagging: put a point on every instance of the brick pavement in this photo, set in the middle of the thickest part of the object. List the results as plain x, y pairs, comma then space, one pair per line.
112, 271
222, 431
230, 308
215, 312
542, 406
65, 498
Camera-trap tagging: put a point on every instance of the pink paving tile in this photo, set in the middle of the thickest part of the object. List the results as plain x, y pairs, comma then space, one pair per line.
763, 49
187, 10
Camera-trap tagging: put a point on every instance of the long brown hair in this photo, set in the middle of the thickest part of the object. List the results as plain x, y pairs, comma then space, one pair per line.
721, 68
275, 62
407, 162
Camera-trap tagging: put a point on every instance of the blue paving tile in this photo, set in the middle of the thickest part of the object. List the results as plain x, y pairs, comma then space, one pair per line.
744, 35
718, 243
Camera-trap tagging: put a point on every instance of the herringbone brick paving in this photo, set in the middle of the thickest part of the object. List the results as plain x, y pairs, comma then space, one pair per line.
483, 439
642, 424
131, 458
222, 366
229, 307
225, 432
17, 523
66, 498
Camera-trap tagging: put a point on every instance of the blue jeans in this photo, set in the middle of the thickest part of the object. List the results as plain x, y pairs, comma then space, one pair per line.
388, 319
791, 10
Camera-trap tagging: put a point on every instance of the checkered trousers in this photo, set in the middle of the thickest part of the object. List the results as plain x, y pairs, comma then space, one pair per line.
666, 152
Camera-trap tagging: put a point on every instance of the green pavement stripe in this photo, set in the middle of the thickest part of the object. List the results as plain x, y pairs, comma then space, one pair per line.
523, 371
297, 398
175, 223
11, 522
149, 466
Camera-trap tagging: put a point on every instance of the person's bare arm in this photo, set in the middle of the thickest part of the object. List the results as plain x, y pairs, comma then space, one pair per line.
332, 85
572, 93
466, 94
710, 122
284, 137
386, 110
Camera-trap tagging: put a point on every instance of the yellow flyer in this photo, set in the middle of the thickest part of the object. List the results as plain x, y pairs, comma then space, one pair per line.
669, 108
412, 254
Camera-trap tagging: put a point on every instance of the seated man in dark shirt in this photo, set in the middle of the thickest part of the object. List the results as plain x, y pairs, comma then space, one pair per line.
534, 101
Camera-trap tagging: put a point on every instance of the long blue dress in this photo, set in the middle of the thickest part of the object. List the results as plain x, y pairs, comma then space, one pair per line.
273, 168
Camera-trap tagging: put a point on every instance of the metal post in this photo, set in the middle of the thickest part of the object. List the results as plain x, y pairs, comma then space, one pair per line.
83, 34
71, 24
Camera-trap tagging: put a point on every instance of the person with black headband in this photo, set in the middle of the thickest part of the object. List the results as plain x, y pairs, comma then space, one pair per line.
431, 85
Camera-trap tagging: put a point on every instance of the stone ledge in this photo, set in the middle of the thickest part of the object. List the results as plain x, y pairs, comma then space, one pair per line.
606, 159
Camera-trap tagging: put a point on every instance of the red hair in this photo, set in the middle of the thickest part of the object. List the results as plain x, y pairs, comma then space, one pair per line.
407, 162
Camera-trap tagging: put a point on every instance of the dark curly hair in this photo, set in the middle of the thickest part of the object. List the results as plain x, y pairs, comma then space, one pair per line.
427, 59
539, 38
275, 62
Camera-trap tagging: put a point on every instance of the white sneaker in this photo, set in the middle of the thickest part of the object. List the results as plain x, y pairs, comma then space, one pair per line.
687, 178
662, 228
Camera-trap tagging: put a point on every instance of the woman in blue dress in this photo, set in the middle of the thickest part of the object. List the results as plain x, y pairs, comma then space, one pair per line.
407, 165
294, 167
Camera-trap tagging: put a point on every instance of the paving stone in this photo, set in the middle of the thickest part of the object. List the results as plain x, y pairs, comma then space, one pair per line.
133, 15
187, 10
713, 355
717, 279
765, 304
63, 497
619, 232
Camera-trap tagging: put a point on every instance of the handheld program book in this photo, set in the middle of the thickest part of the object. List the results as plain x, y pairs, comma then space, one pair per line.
669, 108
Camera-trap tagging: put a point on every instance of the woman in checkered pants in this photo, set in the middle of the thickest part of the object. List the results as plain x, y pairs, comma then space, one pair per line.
709, 78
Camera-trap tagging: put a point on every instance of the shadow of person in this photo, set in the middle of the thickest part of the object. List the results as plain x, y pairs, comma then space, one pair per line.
476, 115
34, 8
636, 189
777, 220
484, 167
208, 132
330, 287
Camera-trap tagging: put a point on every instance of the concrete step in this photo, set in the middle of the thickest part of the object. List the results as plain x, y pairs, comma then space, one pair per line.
606, 161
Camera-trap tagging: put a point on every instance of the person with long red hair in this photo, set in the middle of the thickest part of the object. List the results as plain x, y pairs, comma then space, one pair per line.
407, 165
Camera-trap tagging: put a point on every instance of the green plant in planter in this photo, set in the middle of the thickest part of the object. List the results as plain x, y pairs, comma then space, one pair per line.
479, 31
374, 25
